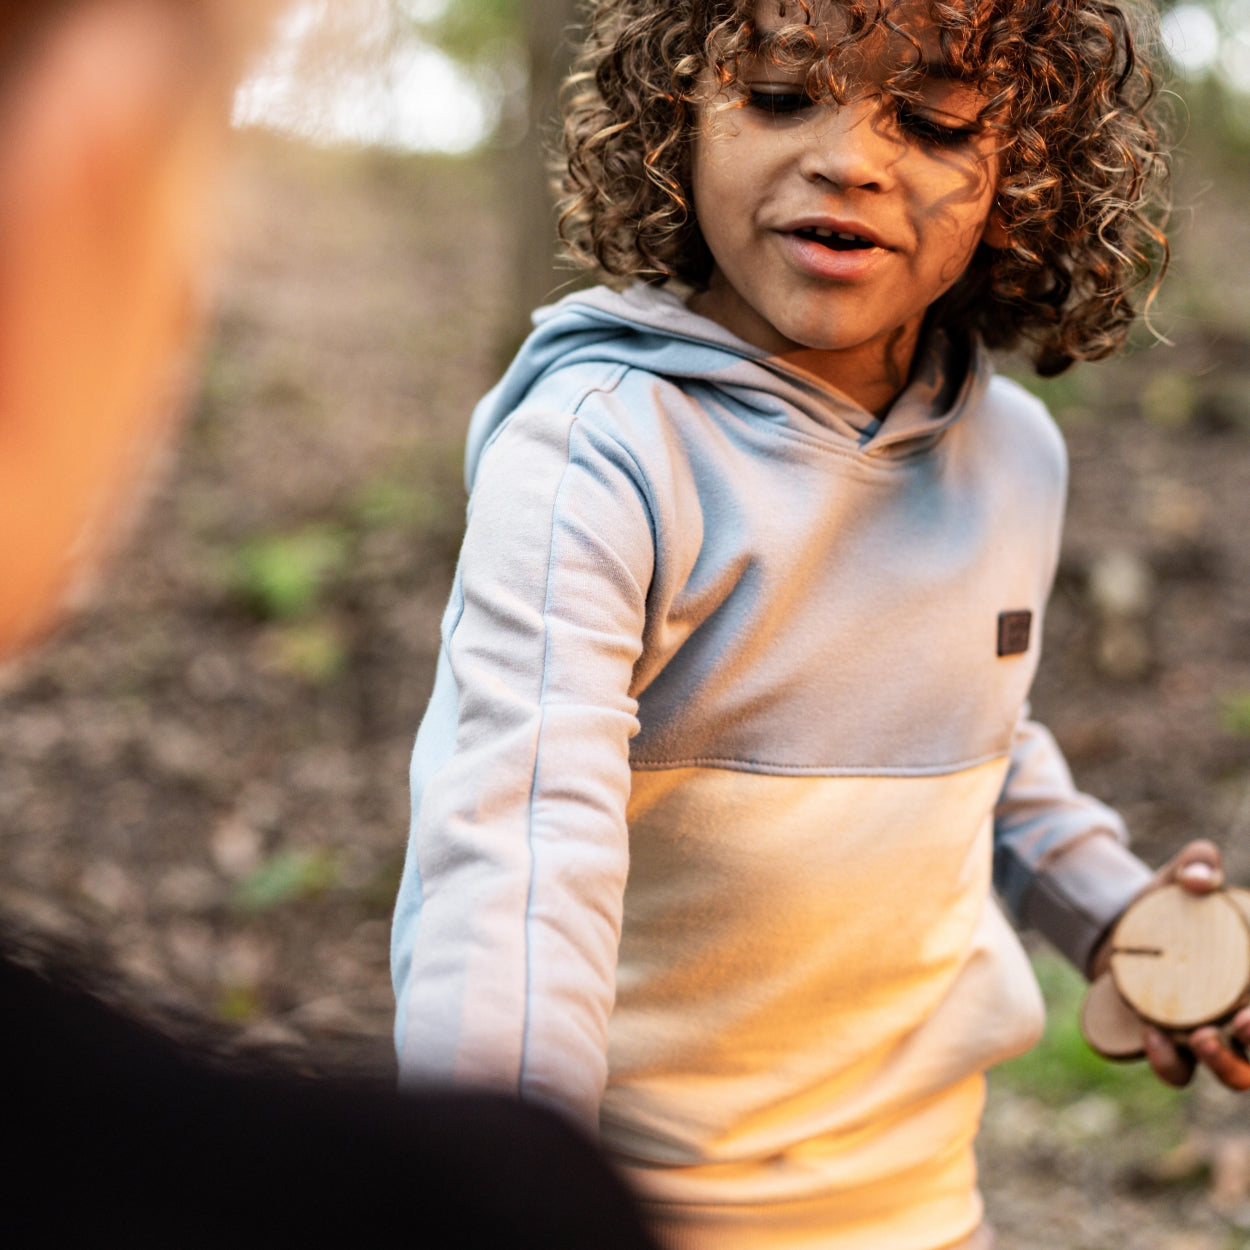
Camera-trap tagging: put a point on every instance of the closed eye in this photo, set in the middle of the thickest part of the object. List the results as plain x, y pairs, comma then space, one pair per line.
778, 103
931, 132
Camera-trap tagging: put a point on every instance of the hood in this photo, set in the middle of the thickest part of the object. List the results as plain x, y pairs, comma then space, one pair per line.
651, 329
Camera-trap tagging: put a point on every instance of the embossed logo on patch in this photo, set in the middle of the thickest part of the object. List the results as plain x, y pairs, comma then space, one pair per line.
1013, 632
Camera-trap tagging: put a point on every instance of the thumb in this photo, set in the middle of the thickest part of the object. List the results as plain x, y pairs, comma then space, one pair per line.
1199, 868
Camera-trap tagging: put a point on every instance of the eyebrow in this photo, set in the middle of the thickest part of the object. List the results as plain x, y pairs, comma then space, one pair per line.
769, 42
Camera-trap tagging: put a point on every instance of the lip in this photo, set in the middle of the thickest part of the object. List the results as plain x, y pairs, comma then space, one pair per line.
838, 225
824, 262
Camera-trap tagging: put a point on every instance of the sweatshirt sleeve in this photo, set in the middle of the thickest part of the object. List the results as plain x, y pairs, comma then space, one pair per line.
1061, 862
508, 919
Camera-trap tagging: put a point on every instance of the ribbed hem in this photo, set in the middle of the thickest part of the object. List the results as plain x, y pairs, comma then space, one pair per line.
929, 1208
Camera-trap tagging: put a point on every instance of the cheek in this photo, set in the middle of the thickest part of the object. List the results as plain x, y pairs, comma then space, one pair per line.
712, 185
953, 218
732, 166
717, 147
955, 241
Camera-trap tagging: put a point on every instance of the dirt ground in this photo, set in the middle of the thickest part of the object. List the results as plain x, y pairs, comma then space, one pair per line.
203, 776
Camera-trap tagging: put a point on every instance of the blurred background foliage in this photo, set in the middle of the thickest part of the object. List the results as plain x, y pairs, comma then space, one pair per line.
448, 75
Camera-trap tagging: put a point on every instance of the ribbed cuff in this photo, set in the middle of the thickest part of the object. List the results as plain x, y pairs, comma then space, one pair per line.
1076, 898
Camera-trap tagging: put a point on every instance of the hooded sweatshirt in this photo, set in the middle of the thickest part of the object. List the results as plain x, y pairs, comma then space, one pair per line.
727, 747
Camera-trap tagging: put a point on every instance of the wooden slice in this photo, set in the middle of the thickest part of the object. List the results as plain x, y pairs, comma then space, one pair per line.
1179, 959
1109, 1024
1242, 899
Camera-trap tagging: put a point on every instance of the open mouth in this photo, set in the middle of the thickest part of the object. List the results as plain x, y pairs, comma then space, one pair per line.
834, 239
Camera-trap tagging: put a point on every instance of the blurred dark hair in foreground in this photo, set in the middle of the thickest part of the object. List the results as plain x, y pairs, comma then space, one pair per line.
122, 1134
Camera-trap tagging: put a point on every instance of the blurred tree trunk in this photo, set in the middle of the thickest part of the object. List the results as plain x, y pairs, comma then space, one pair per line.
549, 35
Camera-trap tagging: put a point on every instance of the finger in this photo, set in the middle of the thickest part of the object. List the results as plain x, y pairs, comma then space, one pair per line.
1172, 1064
1228, 1067
1240, 1031
1199, 868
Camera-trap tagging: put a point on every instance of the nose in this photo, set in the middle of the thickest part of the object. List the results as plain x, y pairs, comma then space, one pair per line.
848, 145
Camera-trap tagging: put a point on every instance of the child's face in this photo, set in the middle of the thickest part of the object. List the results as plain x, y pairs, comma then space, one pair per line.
775, 179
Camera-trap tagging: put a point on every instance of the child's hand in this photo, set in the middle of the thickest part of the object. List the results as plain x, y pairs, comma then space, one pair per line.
1200, 869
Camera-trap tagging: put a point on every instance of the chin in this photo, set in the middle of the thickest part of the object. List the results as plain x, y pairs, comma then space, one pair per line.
820, 336
817, 328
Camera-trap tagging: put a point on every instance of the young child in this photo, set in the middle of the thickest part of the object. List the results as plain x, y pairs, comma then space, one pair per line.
729, 738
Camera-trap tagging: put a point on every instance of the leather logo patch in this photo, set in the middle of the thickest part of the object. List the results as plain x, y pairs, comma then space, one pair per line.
1013, 632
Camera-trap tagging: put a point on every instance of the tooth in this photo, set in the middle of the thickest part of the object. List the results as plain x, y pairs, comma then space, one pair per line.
849, 238
822, 232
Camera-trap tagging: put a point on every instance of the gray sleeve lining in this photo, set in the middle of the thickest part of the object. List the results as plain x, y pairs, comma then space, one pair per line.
1061, 862
1075, 899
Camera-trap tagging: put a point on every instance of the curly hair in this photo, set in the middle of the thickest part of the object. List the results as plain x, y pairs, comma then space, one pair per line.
1081, 191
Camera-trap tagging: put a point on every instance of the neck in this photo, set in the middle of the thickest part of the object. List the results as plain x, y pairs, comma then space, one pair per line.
871, 374
873, 379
